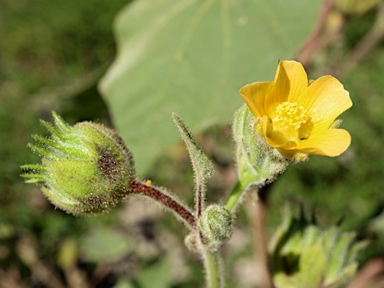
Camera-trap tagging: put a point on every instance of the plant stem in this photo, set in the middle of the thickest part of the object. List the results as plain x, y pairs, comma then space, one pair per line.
213, 269
168, 201
257, 214
199, 198
234, 197
317, 39
212, 260
239, 191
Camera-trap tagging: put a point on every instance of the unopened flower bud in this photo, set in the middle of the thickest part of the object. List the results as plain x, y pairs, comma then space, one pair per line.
216, 225
85, 169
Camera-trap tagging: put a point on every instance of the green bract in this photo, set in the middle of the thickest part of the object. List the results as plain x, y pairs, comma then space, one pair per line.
257, 163
85, 169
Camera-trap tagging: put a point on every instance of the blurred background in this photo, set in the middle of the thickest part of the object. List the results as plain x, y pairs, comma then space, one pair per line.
53, 55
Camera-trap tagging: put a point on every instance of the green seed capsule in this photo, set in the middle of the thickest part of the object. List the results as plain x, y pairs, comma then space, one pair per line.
85, 169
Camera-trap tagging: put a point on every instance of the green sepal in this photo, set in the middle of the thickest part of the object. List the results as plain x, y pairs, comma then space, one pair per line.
255, 159
45, 141
61, 124
34, 178
52, 130
43, 152
38, 167
257, 163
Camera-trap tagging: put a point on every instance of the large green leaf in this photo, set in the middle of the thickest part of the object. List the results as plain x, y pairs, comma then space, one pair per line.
105, 245
191, 57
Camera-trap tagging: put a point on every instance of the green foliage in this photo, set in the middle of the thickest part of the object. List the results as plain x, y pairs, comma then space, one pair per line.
105, 245
156, 275
358, 27
51, 42
303, 255
191, 57
202, 166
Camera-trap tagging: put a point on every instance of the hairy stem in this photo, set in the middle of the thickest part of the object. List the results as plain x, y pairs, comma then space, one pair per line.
199, 198
239, 191
213, 269
235, 196
168, 201
212, 261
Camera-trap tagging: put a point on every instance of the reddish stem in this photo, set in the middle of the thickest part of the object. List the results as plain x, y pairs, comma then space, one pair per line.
159, 196
314, 41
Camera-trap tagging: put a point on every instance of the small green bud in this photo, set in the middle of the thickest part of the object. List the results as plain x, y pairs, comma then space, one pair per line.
303, 255
85, 169
216, 225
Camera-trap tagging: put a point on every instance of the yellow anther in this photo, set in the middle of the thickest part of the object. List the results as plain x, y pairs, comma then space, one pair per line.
290, 115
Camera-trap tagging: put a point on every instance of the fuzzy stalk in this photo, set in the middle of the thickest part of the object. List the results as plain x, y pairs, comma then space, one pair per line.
213, 269
170, 202
235, 196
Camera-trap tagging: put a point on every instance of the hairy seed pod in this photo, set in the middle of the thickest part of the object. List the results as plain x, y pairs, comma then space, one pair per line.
85, 169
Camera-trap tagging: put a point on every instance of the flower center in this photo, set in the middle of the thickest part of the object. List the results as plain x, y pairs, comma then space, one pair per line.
290, 115
292, 120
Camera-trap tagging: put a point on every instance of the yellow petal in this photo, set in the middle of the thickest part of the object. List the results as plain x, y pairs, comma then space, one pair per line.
290, 81
254, 95
325, 99
285, 148
330, 142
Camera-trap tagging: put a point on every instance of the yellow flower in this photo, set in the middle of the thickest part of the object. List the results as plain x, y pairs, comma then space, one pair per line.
296, 115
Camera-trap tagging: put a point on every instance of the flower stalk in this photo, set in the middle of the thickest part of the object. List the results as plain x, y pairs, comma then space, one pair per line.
166, 200
213, 269
236, 195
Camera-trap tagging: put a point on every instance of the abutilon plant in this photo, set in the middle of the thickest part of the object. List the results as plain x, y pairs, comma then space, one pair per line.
87, 169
